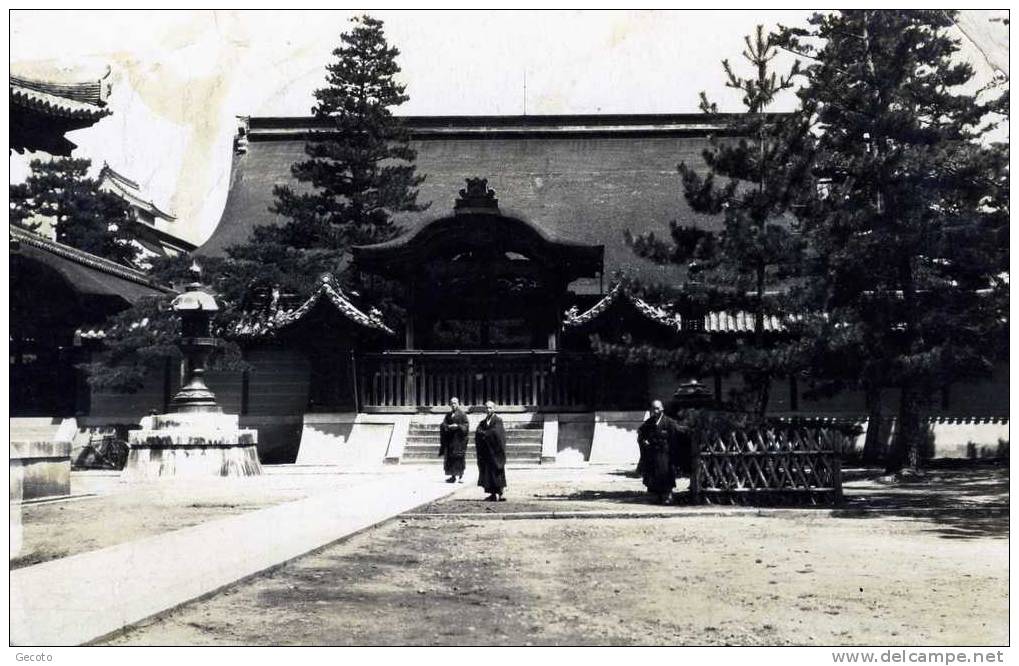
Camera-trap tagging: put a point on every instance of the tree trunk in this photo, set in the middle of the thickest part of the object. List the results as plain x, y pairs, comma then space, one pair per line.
909, 438
874, 445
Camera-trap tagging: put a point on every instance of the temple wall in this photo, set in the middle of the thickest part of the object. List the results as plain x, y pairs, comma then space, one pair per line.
128, 408
277, 399
970, 424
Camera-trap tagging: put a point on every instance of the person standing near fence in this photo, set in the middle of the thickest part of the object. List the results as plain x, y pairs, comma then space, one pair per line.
490, 441
453, 441
659, 441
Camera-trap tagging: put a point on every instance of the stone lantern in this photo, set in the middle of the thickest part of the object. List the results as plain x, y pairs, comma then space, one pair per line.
195, 439
196, 309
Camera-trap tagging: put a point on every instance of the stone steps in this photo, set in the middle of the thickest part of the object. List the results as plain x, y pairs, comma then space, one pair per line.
430, 455
523, 443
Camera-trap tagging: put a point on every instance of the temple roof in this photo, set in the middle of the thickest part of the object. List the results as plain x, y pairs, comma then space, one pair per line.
583, 178
42, 111
711, 322
268, 324
477, 221
76, 100
130, 192
574, 318
85, 273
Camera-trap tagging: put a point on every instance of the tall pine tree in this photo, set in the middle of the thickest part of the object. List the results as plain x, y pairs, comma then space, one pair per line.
81, 215
762, 162
357, 175
906, 233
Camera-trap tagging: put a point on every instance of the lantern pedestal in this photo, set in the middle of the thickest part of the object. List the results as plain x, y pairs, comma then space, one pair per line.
191, 445
196, 439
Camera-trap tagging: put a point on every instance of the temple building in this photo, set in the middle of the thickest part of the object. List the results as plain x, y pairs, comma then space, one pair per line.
153, 230
507, 275
61, 295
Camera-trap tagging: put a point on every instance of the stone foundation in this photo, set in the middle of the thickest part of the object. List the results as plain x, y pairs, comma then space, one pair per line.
39, 469
191, 445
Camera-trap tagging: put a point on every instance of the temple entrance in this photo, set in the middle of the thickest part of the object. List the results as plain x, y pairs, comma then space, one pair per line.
485, 294
483, 298
480, 279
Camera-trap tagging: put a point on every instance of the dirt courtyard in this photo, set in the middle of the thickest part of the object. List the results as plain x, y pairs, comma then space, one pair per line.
920, 566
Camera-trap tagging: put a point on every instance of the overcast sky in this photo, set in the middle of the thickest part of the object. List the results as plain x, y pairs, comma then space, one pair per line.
181, 78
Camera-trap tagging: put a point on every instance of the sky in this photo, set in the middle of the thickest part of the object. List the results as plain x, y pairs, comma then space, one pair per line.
180, 78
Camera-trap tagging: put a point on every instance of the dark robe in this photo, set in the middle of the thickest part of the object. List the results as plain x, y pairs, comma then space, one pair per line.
490, 441
660, 445
453, 442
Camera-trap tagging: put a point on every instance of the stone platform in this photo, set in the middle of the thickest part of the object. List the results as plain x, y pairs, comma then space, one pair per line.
192, 445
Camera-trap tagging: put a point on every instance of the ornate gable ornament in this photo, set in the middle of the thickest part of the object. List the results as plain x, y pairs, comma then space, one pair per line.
476, 195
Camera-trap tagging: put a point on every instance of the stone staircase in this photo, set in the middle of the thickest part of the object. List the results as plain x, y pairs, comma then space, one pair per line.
523, 443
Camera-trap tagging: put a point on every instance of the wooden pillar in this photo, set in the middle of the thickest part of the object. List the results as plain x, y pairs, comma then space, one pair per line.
408, 341
412, 314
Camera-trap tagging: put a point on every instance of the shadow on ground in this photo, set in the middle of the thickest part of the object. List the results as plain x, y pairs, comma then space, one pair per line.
962, 502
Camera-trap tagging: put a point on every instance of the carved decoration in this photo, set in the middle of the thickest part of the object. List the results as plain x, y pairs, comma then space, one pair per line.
477, 194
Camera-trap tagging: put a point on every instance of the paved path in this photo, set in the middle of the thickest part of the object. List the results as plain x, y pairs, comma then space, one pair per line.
81, 598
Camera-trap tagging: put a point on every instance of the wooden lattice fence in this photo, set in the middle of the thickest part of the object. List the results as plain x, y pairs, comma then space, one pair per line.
767, 467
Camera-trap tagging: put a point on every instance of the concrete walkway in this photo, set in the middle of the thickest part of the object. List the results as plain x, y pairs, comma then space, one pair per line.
81, 598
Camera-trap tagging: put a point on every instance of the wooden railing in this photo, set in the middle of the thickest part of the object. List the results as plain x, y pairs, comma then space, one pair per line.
537, 380
792, 466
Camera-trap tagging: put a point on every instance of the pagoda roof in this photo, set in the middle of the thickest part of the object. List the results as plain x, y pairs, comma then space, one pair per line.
84, 272
328, 294
130, 191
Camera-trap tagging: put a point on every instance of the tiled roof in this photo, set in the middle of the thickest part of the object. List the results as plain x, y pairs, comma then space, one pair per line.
84, 270
586, 179
128, 190
658, 315
713, 322
266, 325
78, 100
738, 322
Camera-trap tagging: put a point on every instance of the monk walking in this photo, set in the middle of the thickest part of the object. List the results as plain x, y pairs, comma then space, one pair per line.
453, 442
490, 441
659, 442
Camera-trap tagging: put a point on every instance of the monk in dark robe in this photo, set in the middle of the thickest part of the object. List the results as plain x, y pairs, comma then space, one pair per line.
490, 441
453, 442
659, 442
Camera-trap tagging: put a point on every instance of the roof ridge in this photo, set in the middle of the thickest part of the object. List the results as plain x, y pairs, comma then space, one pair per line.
86, 258
334, 296
90, 91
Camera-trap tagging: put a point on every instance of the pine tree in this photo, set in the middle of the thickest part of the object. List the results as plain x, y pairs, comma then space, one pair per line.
82, 215
757, 249
906, 233
356, 177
